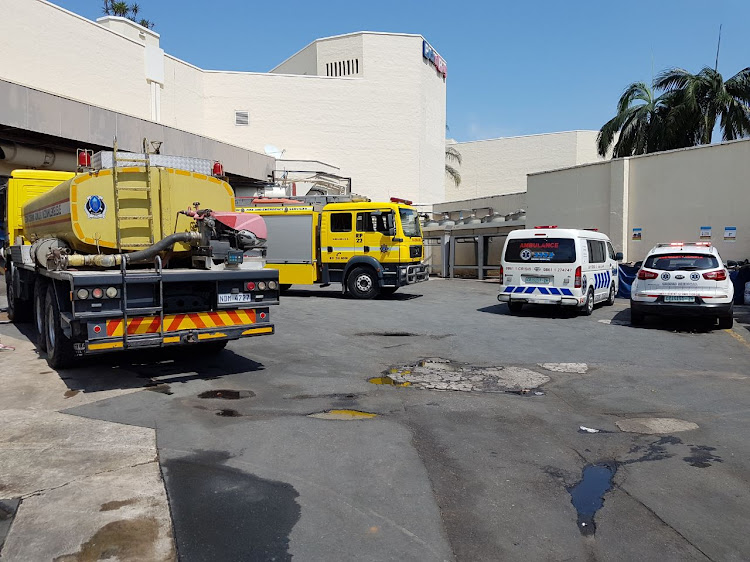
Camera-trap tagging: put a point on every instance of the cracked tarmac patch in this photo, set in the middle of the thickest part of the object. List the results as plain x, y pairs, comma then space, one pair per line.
442, 374
651, 426
577, 368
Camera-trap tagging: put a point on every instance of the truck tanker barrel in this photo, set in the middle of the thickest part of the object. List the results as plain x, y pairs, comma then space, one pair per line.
129, 208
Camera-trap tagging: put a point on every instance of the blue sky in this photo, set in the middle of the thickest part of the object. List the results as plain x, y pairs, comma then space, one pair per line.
514, 68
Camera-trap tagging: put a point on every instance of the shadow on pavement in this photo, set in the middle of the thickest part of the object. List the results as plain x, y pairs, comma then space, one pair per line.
531, 311
151, 367
669, 323
305, 293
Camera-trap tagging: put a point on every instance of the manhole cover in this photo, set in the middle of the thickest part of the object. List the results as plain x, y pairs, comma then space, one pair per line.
227, 394
443, 374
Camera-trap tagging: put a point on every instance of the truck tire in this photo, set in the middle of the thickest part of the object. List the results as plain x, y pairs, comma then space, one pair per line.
40, 296
588, 306
59, 348
612, 296
19, 310
363, 283
386, 291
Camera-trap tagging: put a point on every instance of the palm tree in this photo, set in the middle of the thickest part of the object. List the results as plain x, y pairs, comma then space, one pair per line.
452, 155
709, 98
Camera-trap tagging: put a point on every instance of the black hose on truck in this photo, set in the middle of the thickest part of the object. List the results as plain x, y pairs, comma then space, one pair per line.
141, 256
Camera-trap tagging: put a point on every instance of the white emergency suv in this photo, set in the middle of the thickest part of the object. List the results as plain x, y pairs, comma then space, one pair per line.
559, 266
683, 279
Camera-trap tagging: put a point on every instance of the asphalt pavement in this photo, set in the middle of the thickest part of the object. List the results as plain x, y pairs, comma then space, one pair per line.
476, 450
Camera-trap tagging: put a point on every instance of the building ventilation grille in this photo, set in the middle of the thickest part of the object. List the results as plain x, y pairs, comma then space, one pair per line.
343, 68
241, 117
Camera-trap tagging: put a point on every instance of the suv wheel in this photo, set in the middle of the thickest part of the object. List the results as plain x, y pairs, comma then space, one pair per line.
726, 322
636, 318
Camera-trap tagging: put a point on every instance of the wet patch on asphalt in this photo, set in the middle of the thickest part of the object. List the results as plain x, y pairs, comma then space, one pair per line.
8, 510
587, 496
71, 393
343, 415
701, 456
161, 388
228, 413
227, 394
654, 451
229, 513
443, 374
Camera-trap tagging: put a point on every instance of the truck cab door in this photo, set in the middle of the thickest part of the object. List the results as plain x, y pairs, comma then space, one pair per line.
337, 240
374, 235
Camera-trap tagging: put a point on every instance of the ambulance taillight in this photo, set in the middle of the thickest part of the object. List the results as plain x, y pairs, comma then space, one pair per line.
578, 284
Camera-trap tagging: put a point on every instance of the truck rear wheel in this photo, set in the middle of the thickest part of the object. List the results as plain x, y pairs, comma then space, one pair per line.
362, 283
59, 348
40, 294
19, 310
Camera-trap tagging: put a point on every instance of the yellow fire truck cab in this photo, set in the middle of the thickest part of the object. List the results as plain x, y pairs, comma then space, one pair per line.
369, 247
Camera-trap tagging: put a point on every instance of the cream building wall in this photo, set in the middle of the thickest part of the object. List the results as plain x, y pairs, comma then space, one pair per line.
383, 125
669, 195
497, 166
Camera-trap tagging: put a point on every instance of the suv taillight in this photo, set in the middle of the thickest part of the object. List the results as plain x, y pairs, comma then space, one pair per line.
644, 274
578, 282
719, 275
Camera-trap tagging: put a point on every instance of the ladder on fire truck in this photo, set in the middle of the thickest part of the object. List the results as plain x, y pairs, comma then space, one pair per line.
120, 190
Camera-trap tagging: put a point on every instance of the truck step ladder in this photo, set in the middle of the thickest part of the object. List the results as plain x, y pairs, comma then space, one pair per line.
122, 190
132, 278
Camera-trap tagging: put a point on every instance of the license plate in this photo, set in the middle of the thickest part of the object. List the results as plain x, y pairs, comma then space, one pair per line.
226, 298
679, 299
537, 280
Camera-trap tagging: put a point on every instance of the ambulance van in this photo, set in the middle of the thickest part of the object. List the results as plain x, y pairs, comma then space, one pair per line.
558, 266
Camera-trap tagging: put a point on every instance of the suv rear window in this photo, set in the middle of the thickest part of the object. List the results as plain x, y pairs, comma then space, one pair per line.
681, 262
533, 250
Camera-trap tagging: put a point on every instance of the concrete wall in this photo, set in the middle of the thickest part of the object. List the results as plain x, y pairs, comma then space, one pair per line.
670, 195
497, 166
384, 126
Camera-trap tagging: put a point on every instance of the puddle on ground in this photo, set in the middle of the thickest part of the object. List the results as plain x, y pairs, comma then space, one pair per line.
387, 381
701, 456
161, 388
343, 415
588, 495
114, 505
227, 394
127, 539
71, 393
442, 374
388, 334
228, 413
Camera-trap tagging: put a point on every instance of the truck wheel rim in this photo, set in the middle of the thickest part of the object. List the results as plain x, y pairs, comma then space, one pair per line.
364, 283
51, 327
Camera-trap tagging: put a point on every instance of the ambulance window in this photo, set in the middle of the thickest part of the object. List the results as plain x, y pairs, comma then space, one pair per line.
533, 250
611, 251
341, 222
596, 251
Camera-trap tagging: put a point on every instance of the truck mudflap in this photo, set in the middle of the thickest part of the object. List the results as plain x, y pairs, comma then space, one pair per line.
178, 329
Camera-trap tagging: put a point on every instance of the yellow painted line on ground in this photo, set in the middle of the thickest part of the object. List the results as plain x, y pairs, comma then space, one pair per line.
738, 337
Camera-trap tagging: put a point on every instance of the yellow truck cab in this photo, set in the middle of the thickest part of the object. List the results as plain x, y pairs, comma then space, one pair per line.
369, 247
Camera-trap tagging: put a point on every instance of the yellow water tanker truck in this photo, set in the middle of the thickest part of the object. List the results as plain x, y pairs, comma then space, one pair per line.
369, 247
134, 251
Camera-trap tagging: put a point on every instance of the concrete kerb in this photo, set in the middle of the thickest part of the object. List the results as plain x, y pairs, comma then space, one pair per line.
87, 487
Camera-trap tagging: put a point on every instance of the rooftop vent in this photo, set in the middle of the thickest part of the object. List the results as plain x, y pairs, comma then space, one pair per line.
241, 117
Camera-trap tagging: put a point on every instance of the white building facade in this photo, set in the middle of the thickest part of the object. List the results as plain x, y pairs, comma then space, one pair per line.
372, 104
